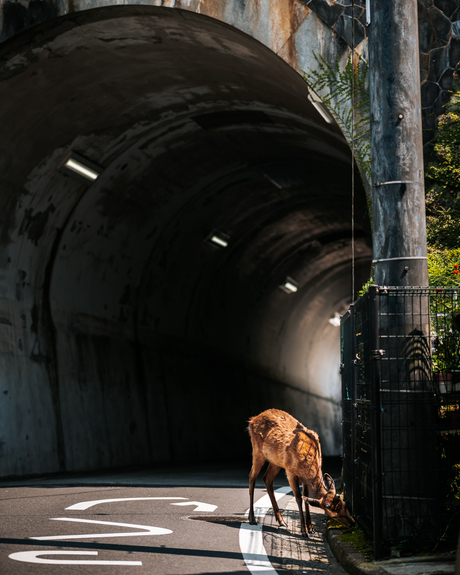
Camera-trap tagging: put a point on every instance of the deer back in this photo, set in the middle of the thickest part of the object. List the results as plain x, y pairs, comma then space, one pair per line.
285, 442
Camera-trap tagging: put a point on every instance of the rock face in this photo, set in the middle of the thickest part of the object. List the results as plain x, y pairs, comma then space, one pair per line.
439, 38
439, 33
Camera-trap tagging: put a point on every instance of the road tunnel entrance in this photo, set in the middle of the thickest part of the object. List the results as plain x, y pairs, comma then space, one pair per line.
128, 335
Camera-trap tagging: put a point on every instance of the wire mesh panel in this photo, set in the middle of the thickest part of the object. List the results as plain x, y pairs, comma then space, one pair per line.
357, 412
400, 374
445, 341
348, 393
408, 437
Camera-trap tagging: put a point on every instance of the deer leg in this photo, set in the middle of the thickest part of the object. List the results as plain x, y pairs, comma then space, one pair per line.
257, 462
294, 483
269, 477
309, 524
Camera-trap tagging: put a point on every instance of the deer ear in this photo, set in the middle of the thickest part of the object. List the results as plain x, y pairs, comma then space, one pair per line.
328, 482
312, 502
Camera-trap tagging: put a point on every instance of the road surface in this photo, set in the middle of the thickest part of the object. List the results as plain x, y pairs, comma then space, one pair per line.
171, 521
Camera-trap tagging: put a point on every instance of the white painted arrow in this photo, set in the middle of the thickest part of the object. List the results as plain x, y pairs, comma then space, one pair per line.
87, 504
35, 557
146, 530
199, 506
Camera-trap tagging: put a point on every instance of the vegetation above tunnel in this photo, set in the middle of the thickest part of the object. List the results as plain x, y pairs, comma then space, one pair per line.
346, 94
443, 196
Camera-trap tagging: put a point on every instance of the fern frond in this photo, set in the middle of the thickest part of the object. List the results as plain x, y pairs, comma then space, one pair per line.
345, 92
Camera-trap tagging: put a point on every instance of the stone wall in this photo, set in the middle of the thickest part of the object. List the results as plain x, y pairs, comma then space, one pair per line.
439, 37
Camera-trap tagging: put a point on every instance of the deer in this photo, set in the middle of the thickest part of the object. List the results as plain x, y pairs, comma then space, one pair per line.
285, 443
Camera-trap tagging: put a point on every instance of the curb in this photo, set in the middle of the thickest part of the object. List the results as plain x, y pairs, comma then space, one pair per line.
350, 559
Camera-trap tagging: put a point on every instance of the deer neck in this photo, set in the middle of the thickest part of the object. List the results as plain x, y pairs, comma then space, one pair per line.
317, 488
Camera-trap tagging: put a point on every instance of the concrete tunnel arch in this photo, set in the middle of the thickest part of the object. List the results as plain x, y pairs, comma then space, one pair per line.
127, 337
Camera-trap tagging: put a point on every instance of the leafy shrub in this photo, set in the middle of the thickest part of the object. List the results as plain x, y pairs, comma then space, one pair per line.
443, 196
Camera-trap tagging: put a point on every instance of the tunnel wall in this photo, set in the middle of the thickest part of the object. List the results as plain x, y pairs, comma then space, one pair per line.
126, 338
189, 405
302, 33
111, 353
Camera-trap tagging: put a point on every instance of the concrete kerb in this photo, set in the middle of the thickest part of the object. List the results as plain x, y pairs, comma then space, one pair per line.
351, 560
356, 564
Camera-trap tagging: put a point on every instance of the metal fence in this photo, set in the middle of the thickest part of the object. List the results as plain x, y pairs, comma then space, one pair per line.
401, 416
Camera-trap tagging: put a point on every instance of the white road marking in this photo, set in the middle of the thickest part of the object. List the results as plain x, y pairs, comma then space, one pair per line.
147, 530
199, 506
251, 540
34, 557
87, 504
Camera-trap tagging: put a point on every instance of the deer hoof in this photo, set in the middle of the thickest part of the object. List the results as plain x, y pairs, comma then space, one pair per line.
312, 531
252, 522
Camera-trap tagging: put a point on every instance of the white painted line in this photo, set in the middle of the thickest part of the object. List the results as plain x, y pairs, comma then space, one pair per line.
147, 530
199, 506
251, 540
253, 550
87, 504
34, 557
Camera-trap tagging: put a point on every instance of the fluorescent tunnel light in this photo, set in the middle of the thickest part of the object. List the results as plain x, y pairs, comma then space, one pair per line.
335, 321
289, 285
218, 239
81, 168
320, 108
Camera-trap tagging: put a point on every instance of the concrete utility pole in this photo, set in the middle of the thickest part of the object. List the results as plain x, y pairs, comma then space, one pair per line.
407, 416
397, 149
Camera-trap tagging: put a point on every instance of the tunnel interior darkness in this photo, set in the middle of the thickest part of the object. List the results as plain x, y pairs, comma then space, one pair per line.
129, 337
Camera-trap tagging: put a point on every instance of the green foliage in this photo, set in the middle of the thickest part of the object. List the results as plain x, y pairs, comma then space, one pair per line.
366, 286
442, 226
443, 265
446, 170
455, 480
443, 198
449, 477
345, 92
346, 95
358, 539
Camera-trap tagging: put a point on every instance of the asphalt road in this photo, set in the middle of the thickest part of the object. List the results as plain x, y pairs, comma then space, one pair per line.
169, 521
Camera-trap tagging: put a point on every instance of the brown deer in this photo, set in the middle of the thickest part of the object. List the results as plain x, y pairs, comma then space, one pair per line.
285, 443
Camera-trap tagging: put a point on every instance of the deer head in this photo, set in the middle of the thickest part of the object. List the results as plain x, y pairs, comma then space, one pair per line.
332, 503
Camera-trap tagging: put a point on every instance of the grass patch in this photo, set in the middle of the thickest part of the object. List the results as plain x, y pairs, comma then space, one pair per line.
356, 538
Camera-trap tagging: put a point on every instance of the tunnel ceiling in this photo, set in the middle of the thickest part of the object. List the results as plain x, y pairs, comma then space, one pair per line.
196, 127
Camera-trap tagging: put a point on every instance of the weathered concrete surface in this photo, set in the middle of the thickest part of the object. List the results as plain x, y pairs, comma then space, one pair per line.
126, 337
289, 550
295, 30
356, 564
123, 333
398, 192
